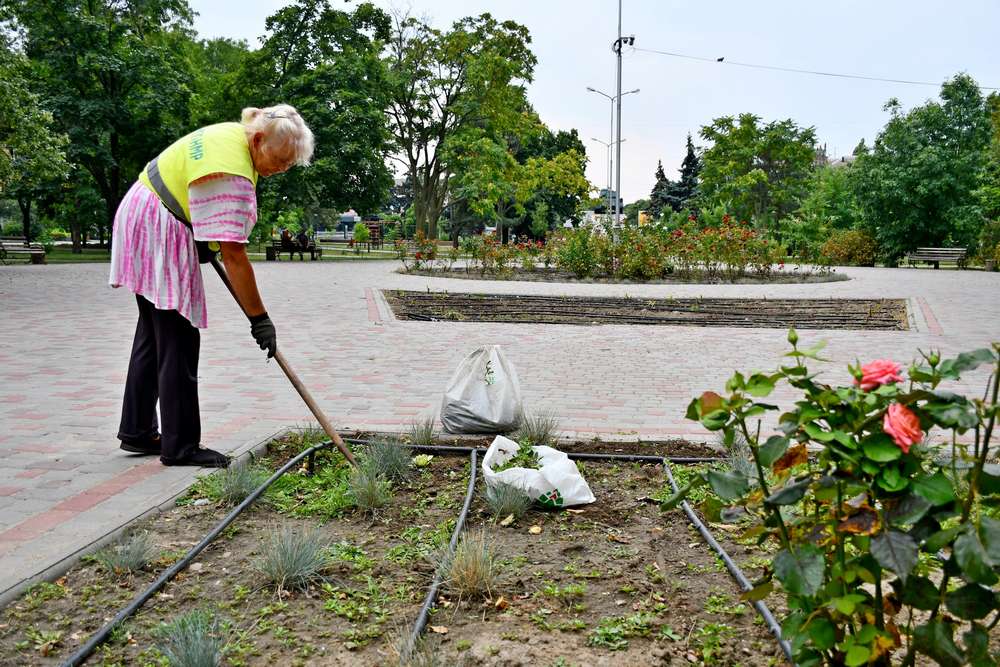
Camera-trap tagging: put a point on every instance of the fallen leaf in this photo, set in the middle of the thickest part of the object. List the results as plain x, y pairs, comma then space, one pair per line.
509, 519
535, 530
794, 456
572, 511
439, 629
617, 538
501, 603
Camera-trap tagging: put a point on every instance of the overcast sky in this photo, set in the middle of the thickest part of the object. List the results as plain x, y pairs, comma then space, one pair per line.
914, 40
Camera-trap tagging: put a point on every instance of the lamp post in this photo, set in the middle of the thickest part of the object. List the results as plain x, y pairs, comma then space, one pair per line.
608, 145
618, 144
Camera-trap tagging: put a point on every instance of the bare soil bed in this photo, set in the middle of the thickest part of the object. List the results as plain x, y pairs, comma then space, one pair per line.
617, 582
866, 314
542, 275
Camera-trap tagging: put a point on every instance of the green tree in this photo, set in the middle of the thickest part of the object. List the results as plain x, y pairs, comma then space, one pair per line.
661, 188
760, 170
681, 194
326, 63
31, 152
107, 72
831, 197
453, 91
916, 185
988, 192
631, 211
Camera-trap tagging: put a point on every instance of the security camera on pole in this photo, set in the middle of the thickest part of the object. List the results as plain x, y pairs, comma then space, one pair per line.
630, 40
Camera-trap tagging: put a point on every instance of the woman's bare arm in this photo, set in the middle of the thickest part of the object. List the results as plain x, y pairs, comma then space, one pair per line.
240, 272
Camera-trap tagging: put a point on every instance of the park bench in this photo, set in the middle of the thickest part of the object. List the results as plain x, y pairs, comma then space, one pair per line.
937, 255
19, 250
278, 246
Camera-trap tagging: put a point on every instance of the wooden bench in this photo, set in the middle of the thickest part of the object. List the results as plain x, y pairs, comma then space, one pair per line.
278, 246
33, 252
937, 255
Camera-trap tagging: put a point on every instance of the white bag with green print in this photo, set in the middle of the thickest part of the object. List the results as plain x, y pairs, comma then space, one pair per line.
557, 483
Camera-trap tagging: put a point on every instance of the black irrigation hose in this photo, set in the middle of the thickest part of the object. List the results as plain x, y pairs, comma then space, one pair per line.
102, 635
425, 609
733, 568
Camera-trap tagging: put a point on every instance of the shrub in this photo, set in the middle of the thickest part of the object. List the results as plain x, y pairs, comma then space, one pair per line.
132, 554
192, 640
293, 558
575, 252
989, 238
852, 519
470, 571
850, 247
361, 233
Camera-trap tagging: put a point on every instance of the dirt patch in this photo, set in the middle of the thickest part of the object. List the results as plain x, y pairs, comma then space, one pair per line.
866, 314
542, 275
613, 583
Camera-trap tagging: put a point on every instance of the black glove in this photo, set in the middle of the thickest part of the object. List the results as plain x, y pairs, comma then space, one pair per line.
262, 330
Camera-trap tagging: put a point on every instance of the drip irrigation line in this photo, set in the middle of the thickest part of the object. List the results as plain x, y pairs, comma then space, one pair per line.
102, 635
425, 610
733, 568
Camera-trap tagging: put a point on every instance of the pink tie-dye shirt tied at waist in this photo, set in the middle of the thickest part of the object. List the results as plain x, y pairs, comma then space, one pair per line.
153, 254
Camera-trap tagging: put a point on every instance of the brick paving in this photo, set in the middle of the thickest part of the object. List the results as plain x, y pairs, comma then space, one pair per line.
65, 340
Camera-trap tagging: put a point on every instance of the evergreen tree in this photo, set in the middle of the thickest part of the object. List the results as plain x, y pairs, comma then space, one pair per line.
686, 189
661, 190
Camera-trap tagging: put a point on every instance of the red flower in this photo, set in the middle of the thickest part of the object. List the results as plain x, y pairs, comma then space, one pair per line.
725, 218
877, 373
419, 255
903, 425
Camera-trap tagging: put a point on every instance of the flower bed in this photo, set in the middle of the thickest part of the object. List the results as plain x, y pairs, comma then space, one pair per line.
614, 583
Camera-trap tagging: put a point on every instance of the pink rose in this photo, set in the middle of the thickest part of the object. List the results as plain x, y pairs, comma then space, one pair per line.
903, 425
877, 373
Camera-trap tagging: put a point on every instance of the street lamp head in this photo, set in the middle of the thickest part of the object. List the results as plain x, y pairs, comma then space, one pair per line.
591, 89
631, 91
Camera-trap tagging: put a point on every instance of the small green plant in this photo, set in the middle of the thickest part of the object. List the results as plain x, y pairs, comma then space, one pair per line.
42, 592
524, 458
293, 558
192, 640
44, 641
709, 639
505, 500
132, 554
613, 633
567, 595
368, 489
471, 571
230, 486
422, 432
538, 429
390, 458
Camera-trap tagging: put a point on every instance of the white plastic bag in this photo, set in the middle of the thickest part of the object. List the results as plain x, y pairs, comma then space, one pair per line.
483, 396
557, 483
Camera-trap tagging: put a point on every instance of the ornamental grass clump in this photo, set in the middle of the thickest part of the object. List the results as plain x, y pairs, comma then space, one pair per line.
293, 559
505, 500
390, 459
851, 494
367, 488
471, 570
538, 429
194, 639
422, 432
230, 486
130, 555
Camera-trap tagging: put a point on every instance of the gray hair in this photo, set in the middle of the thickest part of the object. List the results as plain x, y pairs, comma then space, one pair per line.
281, 125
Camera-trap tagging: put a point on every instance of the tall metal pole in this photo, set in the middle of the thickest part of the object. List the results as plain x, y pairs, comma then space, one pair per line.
618, 138
611, 138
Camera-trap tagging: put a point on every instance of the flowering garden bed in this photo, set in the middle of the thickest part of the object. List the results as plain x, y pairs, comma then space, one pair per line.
877, 314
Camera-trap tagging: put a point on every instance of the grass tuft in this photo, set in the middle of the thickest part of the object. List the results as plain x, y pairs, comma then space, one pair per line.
422, 432
232, 485
505, 500
471, 571
294, 559
739, 458
539, 429
132, 554
192, 640
367, 488
390, 458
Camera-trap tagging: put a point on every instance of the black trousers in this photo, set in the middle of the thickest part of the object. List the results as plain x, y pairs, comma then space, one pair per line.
164, 367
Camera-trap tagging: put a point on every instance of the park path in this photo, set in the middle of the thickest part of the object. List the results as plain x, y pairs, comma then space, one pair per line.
65, 339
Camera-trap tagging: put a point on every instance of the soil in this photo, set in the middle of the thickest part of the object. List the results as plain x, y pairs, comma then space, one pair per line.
561, 576
866, 314
542, 275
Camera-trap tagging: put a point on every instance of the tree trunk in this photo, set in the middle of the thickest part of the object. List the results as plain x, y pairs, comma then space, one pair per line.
24, 203
76, 234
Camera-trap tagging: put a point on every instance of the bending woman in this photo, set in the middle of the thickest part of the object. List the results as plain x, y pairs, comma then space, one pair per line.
197, 197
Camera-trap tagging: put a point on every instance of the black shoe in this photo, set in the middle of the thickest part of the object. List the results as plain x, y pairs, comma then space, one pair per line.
147, 446
201, 457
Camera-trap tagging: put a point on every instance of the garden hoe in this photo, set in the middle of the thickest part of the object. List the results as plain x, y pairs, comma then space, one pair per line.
292, 377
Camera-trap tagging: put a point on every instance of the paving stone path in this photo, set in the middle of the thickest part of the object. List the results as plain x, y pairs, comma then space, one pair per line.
65, 339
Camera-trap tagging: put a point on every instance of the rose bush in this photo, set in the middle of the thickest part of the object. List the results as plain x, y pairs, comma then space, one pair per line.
886, 544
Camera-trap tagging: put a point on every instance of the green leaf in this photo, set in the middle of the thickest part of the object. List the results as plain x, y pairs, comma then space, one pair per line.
977, 647
895, 551
789, 494
692, 410
758, 592
989, 530
857, 655
682, 493
867, 635
918, 592
800, 571
816, 432
952, 415
735, 382
729, 485
881, 449
822, 633
941, 539
909, 509
973, 559
936, 488
966, 361
970, 602
772, 450
847, 603
892, 480
715, 419
935, 639
989, 480
760, 385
